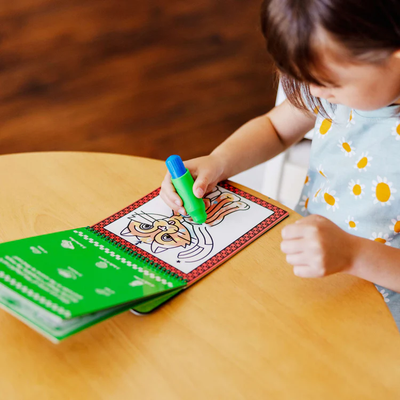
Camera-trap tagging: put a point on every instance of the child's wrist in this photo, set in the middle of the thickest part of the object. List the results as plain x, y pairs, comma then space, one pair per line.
355, 249
222, 161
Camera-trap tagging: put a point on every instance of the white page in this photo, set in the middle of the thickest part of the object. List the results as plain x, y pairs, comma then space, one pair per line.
192, 244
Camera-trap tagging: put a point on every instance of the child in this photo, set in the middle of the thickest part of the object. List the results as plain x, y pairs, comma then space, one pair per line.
341, 59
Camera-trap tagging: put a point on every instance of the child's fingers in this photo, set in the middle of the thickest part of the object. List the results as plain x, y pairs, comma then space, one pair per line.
169, 195
298, 259
294, 231
197, 172
168, 191
173, 205
202, 183
293, 246
168, 202
304, 271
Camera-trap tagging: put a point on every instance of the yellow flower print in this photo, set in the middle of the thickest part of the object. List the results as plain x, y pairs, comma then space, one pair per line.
363, 162
381, 238
383, 191
396, 130
307, 181
346, 147
395, 228
317, 194
304, 202
325, 127
330, 200
351, 120
351, 224
356, 189
321, 171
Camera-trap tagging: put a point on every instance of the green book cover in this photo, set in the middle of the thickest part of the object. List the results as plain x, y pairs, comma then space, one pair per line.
63, 282
138, 258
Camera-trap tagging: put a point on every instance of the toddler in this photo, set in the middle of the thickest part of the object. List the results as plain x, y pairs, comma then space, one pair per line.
339, 63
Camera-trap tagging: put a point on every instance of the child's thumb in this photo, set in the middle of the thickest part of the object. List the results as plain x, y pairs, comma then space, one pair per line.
200, 185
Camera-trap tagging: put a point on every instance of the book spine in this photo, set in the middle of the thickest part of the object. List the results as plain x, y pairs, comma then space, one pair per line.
137, 256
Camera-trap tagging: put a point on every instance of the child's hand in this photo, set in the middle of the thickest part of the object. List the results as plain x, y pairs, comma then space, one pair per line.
206, 171
317, 247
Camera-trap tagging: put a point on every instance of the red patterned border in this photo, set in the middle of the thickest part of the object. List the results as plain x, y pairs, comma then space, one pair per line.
216, 260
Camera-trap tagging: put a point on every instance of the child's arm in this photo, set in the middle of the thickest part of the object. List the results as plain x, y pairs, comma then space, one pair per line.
263, 138
256, 141
316, 247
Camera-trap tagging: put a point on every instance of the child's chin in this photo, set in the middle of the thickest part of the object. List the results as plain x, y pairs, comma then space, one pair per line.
332, 100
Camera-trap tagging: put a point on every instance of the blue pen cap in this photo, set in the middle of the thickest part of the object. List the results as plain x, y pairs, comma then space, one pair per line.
175, 166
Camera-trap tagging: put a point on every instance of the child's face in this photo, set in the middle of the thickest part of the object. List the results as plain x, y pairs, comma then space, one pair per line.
363, 86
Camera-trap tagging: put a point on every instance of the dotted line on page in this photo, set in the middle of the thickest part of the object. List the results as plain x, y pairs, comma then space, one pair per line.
35, 296
124, 260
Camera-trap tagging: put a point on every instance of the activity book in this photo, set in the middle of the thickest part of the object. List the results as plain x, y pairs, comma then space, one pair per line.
138, 258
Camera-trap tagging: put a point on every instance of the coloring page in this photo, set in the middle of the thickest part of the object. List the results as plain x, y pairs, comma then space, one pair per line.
178, 240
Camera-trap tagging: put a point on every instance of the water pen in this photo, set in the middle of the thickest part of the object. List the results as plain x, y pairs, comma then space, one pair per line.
183, 183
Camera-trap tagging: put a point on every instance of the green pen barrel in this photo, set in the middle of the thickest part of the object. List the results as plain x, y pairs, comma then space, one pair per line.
193, 205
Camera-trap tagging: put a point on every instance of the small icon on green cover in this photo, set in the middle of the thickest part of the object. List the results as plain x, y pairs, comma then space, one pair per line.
35, 250
67, 244
136, 283
69, 273
101, 264
105, 291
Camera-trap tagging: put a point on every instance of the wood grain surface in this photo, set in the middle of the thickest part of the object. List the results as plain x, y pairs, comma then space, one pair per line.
249, 330
148, 78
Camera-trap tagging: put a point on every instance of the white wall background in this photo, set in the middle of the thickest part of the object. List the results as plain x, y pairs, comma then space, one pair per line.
282, 177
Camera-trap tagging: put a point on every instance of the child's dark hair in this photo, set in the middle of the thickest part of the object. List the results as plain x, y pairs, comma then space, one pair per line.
368, 29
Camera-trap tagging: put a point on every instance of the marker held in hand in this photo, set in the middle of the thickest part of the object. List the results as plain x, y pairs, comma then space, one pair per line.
183, 183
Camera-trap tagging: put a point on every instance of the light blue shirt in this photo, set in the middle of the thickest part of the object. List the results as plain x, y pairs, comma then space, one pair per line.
354, 176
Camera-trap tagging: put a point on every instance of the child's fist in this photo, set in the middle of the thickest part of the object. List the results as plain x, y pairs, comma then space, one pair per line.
317, 247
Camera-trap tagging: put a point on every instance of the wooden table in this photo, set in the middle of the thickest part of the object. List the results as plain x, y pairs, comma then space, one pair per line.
249, 330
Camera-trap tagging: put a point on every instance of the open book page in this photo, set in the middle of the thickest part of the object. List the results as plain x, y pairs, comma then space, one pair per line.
234, 219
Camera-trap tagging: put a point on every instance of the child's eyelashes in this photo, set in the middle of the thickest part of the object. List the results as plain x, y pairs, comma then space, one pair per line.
326, 85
